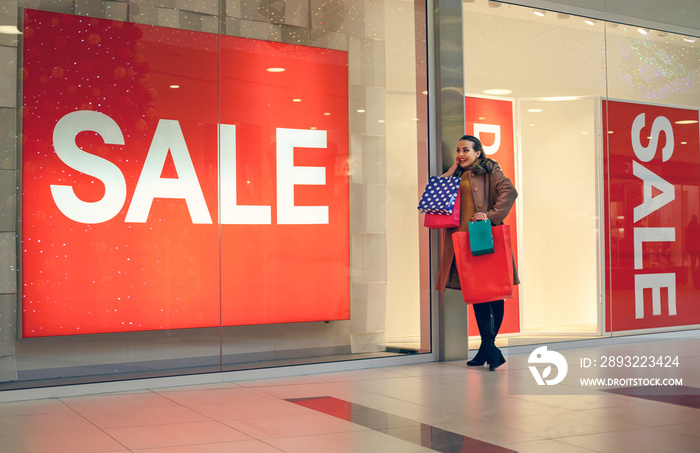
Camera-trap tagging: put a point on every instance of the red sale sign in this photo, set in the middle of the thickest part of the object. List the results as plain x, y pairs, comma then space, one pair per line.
491, 121
652, 200
177, 179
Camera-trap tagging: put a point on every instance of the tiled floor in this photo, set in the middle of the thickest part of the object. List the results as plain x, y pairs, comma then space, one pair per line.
445, 407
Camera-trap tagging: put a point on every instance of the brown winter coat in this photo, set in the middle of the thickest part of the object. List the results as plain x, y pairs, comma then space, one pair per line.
494, 195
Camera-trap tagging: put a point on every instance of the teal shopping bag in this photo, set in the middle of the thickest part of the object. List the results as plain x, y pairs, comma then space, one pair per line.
480, 237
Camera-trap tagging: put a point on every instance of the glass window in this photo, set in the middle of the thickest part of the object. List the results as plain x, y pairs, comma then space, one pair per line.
653, 179
604, 240
210, 187
514, 54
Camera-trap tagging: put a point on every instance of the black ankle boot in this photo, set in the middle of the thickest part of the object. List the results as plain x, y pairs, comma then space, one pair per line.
498, 361
478, 360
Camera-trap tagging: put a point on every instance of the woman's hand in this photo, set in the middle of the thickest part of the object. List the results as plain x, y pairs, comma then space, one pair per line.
478, 216
451, 171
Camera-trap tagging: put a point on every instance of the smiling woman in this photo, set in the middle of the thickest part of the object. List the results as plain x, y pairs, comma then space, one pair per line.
485, 194
466, 155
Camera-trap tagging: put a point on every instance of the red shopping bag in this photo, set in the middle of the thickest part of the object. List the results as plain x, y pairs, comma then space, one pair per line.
489, 277
435, 221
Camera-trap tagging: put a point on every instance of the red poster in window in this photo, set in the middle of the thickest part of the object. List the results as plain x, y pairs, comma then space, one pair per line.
148, 204
652, 199
491, 121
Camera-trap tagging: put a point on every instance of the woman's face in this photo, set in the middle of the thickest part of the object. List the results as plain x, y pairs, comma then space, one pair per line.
466, 156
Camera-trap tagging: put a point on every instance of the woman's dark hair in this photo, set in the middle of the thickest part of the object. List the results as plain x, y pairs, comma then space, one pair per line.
482, 164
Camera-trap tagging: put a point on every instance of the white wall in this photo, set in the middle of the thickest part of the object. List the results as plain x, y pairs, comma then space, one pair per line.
559, 224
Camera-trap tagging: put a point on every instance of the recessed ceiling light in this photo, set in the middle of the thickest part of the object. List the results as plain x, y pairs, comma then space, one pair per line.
686, 39
560, 98
642, 31
534, 110
686, 122
275, 69
9, 30
538, 13
296, 100
360, 111
589, 22
174, 87
498, 91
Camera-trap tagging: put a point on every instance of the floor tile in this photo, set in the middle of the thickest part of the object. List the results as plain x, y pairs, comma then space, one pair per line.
651, 414
78, 441
635, 441
490, 432
214, 395
236, 411
117, 401
545, 446
376, 401
14, 427
38, 407
175, 435
359, 375
557, 425
244, 446
366, 441
292, 425
309, 390
147, 416
689, 429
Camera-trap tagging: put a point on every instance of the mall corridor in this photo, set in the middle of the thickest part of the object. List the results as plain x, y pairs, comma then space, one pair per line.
444, 407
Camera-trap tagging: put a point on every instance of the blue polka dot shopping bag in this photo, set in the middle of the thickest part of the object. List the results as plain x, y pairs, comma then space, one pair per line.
439, 196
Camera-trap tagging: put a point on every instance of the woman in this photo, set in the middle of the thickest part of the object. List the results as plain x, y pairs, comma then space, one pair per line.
493, 195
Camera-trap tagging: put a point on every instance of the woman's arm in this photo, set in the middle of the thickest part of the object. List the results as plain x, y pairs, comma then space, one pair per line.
505, 196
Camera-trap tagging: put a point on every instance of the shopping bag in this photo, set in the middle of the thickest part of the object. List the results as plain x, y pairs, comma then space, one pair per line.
444, 221
480, 237
439, 195
485, 278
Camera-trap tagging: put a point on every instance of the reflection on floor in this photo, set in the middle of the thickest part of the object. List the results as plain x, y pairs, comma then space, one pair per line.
400, 427
404, 409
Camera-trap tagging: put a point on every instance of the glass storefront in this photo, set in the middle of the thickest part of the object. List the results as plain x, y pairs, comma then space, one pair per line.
571, 80
205, 186
195, 187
